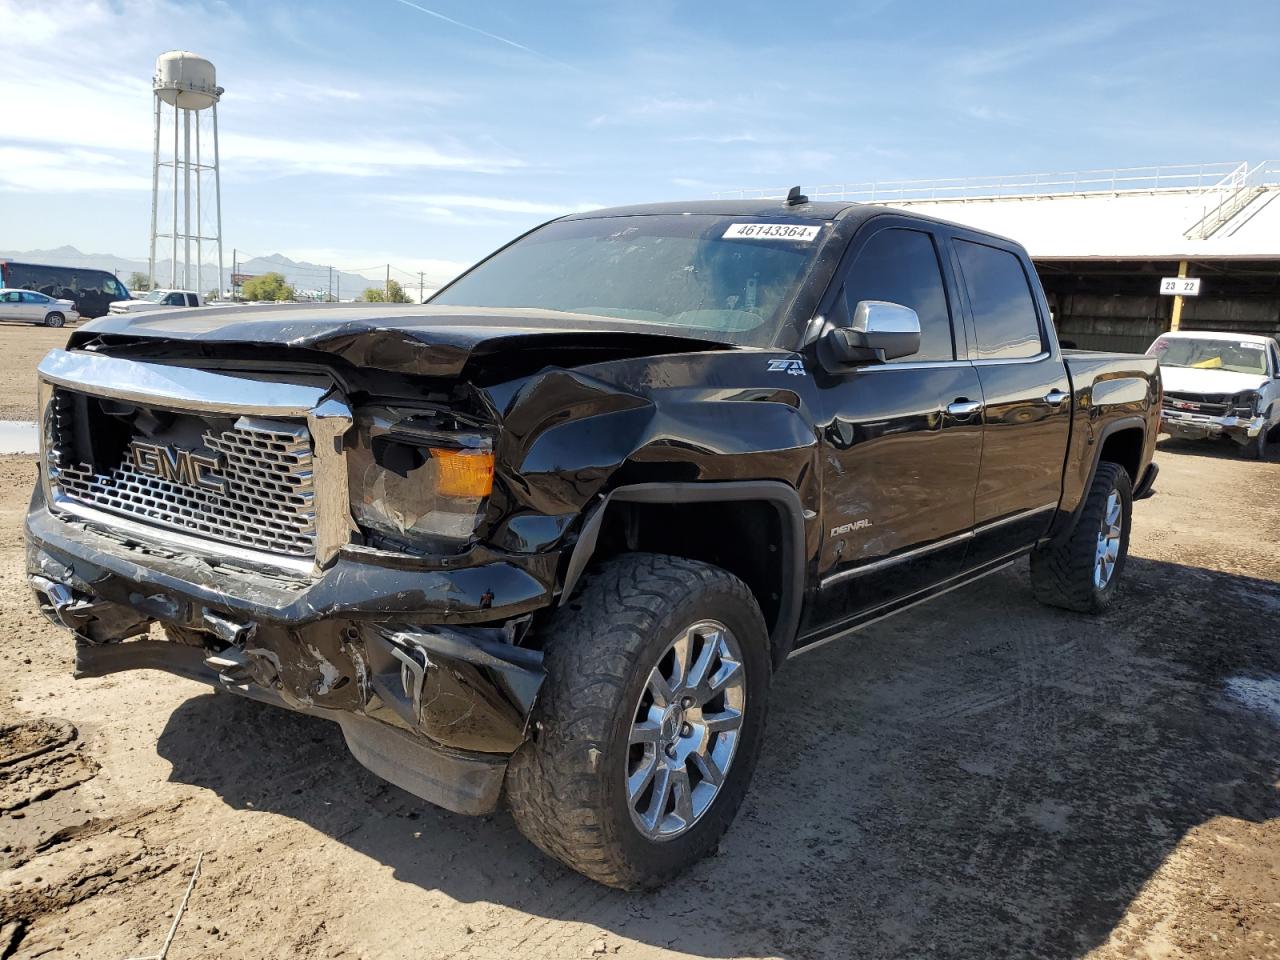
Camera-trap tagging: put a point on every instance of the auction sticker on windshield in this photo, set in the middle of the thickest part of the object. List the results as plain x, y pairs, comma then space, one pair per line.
771, 231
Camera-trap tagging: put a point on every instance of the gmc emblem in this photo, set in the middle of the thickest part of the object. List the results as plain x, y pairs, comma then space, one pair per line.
180, 466
1183, 405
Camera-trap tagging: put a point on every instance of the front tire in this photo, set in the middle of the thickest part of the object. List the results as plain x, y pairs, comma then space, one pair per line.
1082, 573
649, 722
1256, 448
54, 319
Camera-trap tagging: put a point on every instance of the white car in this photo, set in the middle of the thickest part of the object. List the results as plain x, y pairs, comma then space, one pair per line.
157, 300
1220, 384
36, 308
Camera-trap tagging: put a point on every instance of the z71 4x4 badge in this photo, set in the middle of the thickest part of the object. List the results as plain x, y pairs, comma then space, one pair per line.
793, 366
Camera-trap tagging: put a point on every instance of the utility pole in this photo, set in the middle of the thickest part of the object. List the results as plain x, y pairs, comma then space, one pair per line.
331, 285
420, 287
234, 271
1175, 322
386, 287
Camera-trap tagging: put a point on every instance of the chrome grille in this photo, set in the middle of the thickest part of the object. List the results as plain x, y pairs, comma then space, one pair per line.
1210, 403
266, 504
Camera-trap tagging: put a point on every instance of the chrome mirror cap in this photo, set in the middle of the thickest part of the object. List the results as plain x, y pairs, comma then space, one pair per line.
877, 331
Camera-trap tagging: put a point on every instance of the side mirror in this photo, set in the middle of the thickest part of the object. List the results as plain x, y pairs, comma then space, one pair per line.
878, 331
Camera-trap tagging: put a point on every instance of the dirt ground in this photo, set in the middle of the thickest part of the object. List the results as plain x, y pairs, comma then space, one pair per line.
981, 777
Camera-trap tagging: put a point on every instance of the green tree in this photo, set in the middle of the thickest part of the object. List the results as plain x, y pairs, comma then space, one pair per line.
139, 281
393, 294
269, 286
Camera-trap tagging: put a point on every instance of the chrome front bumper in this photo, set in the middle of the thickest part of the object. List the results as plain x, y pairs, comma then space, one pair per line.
1200, 425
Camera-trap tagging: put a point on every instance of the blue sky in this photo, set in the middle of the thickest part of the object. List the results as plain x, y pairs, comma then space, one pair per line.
427, 133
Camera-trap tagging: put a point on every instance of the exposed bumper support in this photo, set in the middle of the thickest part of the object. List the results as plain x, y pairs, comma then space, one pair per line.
434, 708
463, 783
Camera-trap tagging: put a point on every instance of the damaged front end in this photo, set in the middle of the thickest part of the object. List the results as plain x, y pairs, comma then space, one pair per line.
260, 527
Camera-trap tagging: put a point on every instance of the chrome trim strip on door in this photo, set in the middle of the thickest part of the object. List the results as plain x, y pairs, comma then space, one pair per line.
963, 581
929, 548
895, 559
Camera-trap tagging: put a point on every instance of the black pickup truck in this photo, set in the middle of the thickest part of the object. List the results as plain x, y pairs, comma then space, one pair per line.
549, 536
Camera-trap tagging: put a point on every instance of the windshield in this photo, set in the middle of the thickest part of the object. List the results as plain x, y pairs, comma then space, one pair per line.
1238, 356
155, 296
730, 278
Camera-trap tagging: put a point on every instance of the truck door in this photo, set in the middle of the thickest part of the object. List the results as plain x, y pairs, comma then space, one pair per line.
901, 441
1027, 395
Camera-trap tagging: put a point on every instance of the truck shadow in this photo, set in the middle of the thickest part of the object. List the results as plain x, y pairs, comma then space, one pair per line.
989, 778
1213, 449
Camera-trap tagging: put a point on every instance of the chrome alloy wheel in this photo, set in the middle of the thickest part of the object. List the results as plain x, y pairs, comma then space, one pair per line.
1104, 561
685, 729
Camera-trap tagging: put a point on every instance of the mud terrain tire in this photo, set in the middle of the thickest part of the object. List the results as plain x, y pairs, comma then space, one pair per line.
1063, 574
567, 786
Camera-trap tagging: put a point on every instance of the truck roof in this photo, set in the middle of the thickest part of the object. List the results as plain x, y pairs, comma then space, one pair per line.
813, 210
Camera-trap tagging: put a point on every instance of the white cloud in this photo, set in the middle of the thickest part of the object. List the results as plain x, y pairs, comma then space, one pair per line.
445, 204
100, 107
65, 171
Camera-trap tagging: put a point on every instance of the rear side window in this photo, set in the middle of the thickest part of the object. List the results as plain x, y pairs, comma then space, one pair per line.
901, 266
191, 300
1004, 311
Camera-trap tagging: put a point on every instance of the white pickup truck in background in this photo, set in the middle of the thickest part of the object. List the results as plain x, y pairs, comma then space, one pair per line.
1220, 384
157, 300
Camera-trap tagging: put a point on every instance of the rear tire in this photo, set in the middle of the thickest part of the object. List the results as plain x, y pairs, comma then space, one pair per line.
1082, 573
54, 319
620, 784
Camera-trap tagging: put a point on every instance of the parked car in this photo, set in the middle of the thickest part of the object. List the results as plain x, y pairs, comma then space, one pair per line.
36, 308
162, 299
1220, 385
90, 290
551, 534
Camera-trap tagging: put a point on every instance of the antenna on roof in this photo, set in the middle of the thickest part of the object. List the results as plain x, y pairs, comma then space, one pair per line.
795, 197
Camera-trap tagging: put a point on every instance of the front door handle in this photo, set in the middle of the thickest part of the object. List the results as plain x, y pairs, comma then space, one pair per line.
1055, 397
964, 408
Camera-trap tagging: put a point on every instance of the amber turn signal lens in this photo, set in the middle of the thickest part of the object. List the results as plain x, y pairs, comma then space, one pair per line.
463, 473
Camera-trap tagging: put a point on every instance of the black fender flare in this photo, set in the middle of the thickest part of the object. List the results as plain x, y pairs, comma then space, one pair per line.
1124, 423
782, 497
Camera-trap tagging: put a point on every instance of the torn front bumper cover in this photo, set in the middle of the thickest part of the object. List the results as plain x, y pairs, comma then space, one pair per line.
434, 708
1200, 426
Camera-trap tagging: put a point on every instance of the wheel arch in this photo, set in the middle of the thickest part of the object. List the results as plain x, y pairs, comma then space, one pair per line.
1122, 441
778, 583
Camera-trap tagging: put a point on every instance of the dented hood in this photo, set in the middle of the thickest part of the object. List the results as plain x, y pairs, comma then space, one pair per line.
423, 340
1206, 381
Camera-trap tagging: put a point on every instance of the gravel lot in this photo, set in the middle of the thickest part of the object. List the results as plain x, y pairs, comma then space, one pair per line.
981, 777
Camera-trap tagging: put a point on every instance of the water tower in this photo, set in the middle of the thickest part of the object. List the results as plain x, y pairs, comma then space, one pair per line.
186, 83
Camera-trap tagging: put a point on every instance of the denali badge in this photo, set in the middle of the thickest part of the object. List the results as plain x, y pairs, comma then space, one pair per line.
862, 524
180, 466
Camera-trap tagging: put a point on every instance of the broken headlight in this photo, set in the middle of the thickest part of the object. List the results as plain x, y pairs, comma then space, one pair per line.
1245, 404
418, 481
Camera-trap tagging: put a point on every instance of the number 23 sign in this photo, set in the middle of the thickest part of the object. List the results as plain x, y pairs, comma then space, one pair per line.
1184, 286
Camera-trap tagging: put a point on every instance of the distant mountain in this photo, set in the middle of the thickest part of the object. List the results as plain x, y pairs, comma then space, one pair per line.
311, 277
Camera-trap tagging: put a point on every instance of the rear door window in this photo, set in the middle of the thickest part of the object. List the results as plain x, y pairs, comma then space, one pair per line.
1004, 310
901, 266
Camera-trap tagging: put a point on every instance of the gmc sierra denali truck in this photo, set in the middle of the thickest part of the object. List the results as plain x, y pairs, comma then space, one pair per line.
549, 536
